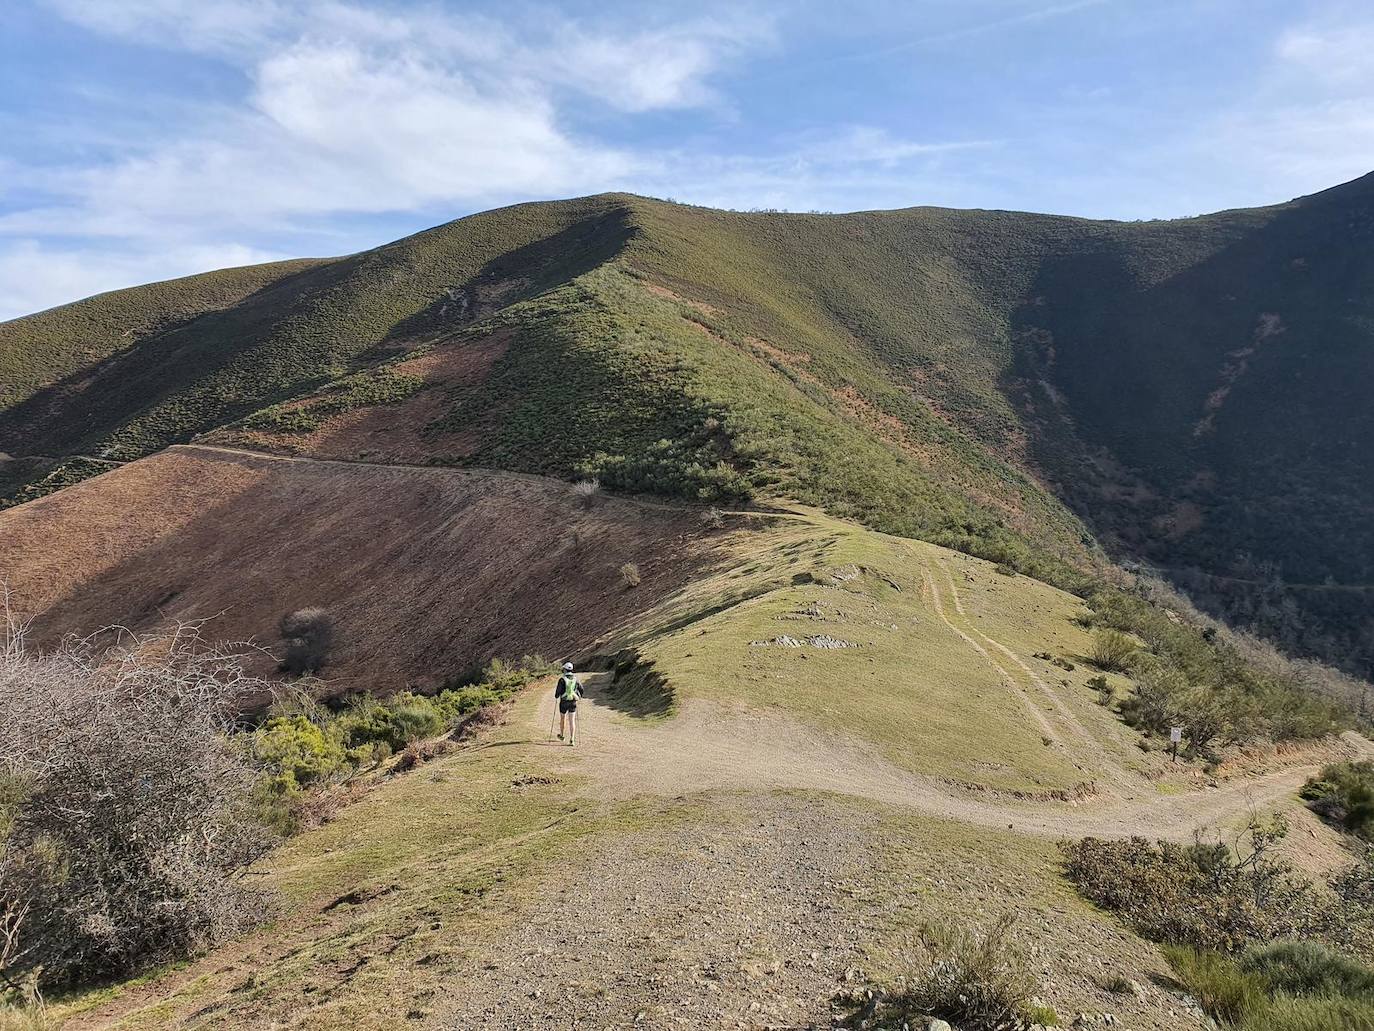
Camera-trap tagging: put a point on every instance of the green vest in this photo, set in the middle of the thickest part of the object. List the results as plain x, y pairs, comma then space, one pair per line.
571, 688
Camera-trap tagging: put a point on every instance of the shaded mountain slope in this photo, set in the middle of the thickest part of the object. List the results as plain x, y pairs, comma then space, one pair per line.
1018, 386
451, 569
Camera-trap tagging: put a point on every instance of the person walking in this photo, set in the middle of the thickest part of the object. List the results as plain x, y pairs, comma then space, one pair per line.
568, 691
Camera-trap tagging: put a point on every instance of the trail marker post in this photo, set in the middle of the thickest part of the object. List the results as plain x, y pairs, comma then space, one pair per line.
1175, 736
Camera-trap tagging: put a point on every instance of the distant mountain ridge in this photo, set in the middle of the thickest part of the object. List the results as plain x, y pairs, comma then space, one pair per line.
1025, 387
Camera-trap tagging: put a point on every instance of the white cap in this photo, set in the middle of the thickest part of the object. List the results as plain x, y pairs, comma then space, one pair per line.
567, 667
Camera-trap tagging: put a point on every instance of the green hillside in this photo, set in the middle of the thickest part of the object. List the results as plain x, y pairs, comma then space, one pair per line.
1017, 386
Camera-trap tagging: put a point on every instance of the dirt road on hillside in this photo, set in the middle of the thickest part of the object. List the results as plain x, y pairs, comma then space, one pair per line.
707, 747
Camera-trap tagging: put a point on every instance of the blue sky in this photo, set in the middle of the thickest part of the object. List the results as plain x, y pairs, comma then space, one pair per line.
143, 139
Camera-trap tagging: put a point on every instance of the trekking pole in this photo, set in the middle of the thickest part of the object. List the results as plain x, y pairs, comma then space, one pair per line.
553, 718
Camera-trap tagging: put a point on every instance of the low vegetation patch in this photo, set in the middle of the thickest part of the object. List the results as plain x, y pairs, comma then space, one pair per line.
1344, 794
1225, 898
1189, 676
1283, 986
977, 980
379, 386
304, 746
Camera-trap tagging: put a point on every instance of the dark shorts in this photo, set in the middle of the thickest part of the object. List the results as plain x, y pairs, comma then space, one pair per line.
566, 706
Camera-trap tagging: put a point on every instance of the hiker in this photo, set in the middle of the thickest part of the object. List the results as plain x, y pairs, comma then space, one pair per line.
567, 692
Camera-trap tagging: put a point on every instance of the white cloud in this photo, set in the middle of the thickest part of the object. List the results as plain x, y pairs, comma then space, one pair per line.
650, 69
1310, 118
34, 276
1337, 55
355, 110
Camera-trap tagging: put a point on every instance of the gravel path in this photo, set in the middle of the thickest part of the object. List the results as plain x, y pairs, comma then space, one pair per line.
742, 923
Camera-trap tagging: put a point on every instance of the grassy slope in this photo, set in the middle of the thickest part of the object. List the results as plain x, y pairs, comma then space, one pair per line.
912, 689
45, 348
909, 368
305, 331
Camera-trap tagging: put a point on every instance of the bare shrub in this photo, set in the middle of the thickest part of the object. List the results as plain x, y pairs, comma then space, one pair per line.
1209, 895
309, 637
586, 492
629, 575
1112, 650
713, 518
130, 809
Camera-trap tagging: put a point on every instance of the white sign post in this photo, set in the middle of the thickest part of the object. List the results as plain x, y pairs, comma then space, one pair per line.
1175, 736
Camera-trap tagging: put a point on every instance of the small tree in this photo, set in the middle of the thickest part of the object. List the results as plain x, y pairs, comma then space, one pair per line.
309, 638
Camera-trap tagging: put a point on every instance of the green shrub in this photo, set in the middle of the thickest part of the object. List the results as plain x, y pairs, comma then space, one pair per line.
1154, 704
1224, 990
1112, 650
297, 753
1285, 1013
1308, 968
1198, 680
1295, 986
1344, 794
1106, 694
977, 980
397, 722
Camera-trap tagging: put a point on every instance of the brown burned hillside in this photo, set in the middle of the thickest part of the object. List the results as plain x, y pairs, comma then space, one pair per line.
1017, 386
426, 572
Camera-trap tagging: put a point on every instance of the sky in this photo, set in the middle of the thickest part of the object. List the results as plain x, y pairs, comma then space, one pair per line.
146, 139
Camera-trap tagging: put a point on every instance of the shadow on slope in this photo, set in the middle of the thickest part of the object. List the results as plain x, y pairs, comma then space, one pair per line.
426, 571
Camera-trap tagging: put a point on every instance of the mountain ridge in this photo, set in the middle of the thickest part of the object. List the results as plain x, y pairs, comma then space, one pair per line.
1020, 385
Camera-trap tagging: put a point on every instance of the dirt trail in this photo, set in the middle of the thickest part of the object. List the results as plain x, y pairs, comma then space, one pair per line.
1085, 745
709, 748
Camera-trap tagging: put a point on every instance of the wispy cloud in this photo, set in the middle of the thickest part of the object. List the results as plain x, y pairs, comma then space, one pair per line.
1030, 16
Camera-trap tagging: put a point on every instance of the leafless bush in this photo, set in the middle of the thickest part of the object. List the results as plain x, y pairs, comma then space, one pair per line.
586, 492
713, 518
127, 809
309, 636
629, 575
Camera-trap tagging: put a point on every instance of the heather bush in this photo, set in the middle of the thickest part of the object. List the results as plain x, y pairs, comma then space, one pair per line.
1112, 650
1210, 896
978, 980
1344, 794
309, 639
